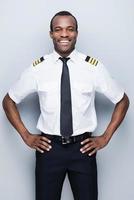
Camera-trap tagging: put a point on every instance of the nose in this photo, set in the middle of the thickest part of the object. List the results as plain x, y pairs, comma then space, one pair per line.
64, 33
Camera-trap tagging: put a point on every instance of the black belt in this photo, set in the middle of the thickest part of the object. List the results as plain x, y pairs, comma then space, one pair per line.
67, 140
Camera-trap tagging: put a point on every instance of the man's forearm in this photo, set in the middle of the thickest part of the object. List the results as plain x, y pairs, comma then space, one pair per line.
117, 117
13, 116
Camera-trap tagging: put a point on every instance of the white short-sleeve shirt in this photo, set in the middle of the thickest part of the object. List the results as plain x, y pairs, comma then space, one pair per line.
85, 78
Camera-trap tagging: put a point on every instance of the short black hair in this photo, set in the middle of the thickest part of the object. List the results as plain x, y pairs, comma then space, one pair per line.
63, 13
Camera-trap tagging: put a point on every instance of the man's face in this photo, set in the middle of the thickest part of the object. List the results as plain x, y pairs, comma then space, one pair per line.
64, 34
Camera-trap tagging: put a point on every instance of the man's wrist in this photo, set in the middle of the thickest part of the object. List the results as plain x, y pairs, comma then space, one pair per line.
107, 136
25, 134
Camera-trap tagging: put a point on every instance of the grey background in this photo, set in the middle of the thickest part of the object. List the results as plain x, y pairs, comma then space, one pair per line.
105, 32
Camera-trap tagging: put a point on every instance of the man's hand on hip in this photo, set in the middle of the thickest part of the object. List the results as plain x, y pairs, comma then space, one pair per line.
93, 144
38, 142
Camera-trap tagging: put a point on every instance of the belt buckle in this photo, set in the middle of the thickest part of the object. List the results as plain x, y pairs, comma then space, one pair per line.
65, 140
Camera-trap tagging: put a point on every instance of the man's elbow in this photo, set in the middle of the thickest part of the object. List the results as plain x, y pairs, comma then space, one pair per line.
125, 101
7, 101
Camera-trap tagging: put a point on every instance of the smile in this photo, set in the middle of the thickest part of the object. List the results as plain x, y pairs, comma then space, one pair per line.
64, 42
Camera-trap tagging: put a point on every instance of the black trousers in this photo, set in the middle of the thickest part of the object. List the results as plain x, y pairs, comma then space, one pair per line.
52, 167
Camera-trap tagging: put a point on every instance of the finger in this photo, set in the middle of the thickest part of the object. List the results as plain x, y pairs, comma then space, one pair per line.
45, 144
87, 149
87, 140
84, 147
92, 152
89, 146
40, 150
44, 147
45, 139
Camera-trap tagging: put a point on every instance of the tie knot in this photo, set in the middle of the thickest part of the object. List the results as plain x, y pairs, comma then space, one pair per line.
64, 59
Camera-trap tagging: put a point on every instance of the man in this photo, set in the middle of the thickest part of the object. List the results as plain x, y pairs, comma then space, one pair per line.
66, 81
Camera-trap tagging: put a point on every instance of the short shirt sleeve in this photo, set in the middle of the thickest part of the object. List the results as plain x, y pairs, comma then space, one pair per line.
105, 84
24, 86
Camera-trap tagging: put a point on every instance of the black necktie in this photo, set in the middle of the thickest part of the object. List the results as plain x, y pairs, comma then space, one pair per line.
66, 126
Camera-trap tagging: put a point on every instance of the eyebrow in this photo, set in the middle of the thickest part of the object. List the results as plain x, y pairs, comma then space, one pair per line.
62, 27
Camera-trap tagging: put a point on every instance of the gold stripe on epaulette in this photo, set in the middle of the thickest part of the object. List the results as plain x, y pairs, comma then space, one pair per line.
96, 63
36, 62
91, 60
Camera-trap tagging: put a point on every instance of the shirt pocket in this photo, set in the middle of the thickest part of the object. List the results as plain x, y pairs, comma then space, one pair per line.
83, 93
48, 96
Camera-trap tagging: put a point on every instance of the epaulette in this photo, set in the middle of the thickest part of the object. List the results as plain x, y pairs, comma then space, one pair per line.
36, 62
91, 60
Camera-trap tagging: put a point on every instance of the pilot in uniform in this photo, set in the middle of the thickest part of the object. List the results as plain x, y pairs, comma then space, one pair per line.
87, 75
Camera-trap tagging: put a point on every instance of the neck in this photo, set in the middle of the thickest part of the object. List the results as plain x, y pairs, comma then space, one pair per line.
66, 54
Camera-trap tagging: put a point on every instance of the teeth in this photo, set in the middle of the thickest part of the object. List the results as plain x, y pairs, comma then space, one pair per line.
64, 41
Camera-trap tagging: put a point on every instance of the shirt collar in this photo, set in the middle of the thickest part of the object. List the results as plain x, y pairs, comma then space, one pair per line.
72, 56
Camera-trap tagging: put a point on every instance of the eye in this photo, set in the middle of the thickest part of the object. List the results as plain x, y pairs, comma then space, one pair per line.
71, 29
57, 30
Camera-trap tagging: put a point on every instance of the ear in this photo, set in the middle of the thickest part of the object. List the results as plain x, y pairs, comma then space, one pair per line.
51, 34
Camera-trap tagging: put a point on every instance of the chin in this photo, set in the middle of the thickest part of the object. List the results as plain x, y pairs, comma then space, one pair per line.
65, 51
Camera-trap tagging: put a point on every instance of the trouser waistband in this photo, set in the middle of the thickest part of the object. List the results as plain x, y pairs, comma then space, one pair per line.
68, 140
